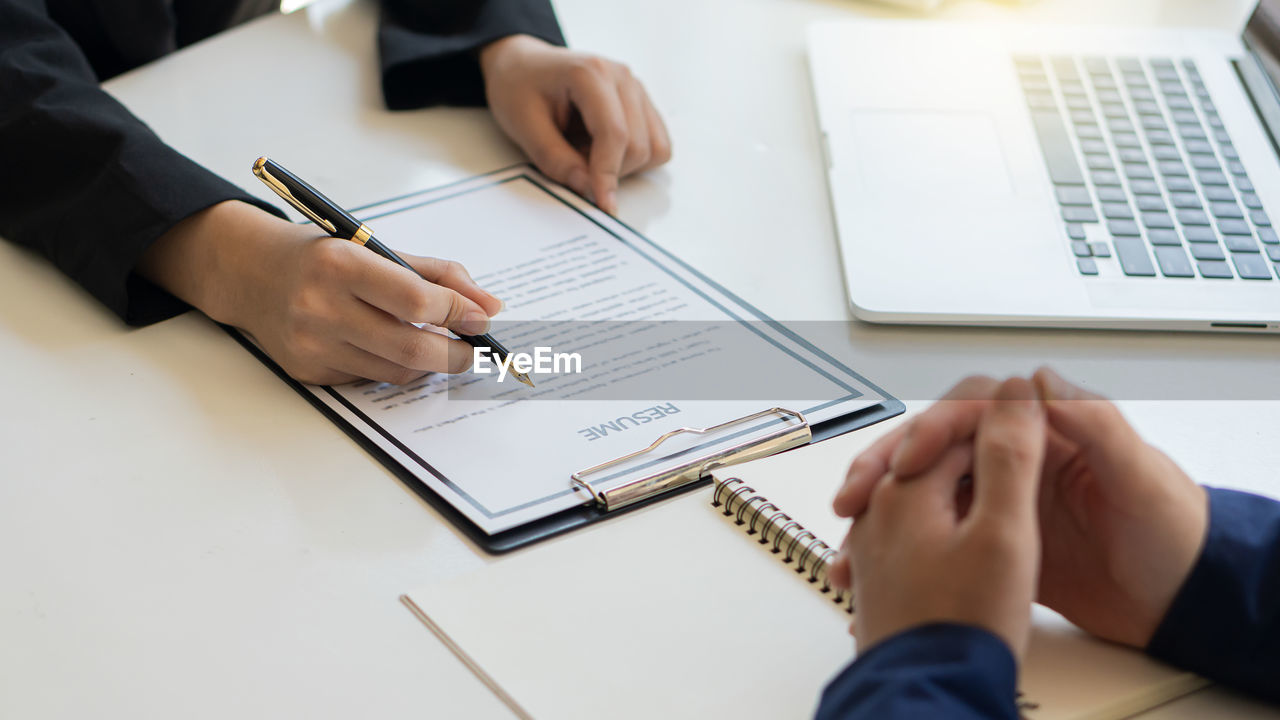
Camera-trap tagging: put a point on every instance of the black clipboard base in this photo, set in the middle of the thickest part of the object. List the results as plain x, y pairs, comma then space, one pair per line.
552, 525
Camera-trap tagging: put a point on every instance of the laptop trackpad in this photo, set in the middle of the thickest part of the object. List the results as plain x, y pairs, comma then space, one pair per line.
935, 155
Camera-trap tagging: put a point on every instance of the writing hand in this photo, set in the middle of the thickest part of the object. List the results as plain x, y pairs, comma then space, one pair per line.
327, 310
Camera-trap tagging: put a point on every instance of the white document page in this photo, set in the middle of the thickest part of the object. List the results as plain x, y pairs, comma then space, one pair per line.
661, 347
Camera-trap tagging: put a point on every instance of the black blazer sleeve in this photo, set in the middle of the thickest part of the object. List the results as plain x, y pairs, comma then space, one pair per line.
88, 185
429, 48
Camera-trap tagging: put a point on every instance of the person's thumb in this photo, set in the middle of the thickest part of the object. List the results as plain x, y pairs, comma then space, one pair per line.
1008, 452
1090, 421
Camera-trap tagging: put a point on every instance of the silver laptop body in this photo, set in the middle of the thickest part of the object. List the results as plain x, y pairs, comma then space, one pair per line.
1037, 176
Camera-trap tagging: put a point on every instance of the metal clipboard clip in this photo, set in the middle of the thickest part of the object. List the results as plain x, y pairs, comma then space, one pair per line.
634, 491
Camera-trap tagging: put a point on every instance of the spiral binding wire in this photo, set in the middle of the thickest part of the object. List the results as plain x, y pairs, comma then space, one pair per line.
788, 537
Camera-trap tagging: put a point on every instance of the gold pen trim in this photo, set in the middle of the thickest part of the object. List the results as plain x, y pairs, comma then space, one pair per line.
260, 169
363, 233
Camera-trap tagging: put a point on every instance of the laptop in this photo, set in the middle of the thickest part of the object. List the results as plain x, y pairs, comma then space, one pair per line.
1090, 177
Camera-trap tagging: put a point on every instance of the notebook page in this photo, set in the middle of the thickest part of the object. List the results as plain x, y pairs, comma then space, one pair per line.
668, 612
678, 599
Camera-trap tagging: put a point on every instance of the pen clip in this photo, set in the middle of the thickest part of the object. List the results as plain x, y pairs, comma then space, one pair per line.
259, 169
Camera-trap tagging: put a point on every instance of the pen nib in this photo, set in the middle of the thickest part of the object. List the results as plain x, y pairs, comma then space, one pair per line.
522, 378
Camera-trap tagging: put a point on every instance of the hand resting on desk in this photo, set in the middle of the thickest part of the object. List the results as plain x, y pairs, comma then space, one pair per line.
1120, 525
933, 547
538, 94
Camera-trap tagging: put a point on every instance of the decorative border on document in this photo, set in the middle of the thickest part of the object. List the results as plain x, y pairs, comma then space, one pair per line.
760, 317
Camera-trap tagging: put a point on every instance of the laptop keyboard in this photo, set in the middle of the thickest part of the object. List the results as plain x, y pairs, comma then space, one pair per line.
1144, 171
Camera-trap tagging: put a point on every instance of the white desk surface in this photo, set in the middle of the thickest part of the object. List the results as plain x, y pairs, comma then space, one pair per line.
183, 536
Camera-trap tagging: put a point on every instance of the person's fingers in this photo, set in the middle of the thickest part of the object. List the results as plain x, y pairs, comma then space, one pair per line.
659, 139
454, 276
535, 130
853, 553
864, 471
1059, 452
343, 363
953, 418
1090, 421
405, 346
1008, 454
365, 364
594, 92
638, 151
313, 373
927, 502
839, 575
404, 295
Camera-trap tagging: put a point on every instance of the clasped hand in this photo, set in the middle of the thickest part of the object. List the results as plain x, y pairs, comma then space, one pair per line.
1005, 493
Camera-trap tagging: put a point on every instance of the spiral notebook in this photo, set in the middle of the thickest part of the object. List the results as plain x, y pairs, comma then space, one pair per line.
681, 612
1067, 674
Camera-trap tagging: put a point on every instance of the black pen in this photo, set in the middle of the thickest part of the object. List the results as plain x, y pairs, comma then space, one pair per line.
340, 224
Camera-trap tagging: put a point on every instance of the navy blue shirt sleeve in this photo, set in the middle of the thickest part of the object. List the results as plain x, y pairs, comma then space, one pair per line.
1224, 623
941, 670
429, 49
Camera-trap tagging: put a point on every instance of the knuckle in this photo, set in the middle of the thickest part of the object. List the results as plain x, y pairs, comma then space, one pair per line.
403, 376
598, 65
1008, 451
418, 304
998, 541
413, 351
584, 72
882, 491
308, 303
328, 257
302, 345
638, 151
456, 308
987, 542
661, 151
430, 265
1108, 414
454, 269
861, 465
614, 129
973, 386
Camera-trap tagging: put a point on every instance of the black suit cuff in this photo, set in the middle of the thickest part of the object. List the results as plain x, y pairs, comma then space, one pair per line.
430, 51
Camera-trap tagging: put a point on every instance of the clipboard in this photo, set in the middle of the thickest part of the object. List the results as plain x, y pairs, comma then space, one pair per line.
691, 472
615, 501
